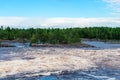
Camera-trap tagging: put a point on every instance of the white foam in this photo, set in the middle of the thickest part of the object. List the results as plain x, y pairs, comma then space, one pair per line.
50, 60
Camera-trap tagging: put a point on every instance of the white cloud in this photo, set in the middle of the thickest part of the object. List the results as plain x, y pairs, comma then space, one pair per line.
11, 21
114, 5
113, 1
58, 22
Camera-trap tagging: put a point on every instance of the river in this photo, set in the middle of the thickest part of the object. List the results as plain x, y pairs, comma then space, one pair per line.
101, 44
92, 74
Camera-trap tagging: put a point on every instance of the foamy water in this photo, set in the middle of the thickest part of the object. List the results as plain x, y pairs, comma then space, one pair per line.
29, 62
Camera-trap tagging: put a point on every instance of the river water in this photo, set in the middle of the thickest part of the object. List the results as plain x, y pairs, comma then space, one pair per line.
17, 44
102, 45
92, 74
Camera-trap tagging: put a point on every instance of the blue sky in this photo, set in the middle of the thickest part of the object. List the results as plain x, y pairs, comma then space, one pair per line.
54, 8
59, 12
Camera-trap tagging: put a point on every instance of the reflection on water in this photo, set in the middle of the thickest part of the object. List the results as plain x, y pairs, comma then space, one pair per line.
100, 44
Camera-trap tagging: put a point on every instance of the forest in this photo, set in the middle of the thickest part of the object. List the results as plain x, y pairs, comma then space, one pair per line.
59, 36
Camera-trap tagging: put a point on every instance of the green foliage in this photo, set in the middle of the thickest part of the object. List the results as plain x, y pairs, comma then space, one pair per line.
59, 36
34, 39
0, 42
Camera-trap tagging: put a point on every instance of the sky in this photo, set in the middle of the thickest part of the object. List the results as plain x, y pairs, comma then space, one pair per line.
59, 13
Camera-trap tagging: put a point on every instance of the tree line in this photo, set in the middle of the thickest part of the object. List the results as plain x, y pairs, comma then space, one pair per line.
59, 36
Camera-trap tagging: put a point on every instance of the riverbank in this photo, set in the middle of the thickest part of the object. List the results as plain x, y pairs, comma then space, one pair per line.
85, 43
8, 43
72, 45
28, 62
